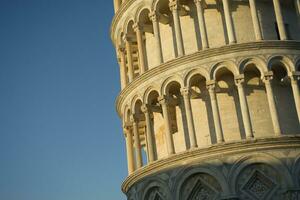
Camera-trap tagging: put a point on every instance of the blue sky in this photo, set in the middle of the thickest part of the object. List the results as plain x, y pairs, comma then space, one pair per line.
60, 137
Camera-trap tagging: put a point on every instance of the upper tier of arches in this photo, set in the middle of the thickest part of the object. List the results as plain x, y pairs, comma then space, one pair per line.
149, 33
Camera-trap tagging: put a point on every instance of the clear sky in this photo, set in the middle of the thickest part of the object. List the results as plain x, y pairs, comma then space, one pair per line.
60, 137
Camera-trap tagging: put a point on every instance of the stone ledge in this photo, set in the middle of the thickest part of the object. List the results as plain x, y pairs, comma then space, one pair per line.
228, 49
213, 151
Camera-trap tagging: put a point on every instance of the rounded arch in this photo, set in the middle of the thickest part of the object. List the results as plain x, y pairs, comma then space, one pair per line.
156, 183
190, 74
134, 102
229, 65
258, 158
166, 84
140, 10
148, 92
126, 114
257, 62
128, 21
284, 61
188, 172
158, 4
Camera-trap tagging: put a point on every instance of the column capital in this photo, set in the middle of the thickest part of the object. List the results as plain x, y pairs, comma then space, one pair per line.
163, 100
154, 16
137, 27
239, 80
145, 108
268, 77
211, 85
295, 76
134, 118
121, 49
173, 5
185, 91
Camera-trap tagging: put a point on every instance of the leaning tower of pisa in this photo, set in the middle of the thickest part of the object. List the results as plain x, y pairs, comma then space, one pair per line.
209, 98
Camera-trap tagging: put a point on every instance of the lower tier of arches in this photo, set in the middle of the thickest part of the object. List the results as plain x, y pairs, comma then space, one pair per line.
265, 169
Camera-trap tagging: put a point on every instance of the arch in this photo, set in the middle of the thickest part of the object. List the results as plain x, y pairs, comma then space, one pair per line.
155, 5
190, 74
156, 183
188, 172
168, 81
134, 101
258, 158
229, 65
259, 64
126, 114
285, 61
129, 20
148, 91
140, 10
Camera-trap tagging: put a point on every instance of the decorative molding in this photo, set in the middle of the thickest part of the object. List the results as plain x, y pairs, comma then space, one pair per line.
211, 152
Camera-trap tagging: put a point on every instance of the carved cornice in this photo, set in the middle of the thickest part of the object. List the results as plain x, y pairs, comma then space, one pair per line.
208, 53
212, 152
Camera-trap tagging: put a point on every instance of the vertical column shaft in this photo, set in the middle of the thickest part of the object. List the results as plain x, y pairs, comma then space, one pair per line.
279, 19
137, 143
216, 114
189, 116
129, 151
201, 21
255, 20
244, 108
117, 5
178, 34
229, 24
140, 43
129, 59
272, 105
295, 88
149, 134
154, 18
123, 75
297, 6
168, 133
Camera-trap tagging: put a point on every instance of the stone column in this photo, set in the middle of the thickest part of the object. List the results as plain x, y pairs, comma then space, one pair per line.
137, 143
117, 5
215, 110
174, 6
140, 43
129, 150
279, 19
244, 107
185, 92
155, 21
201, 20
255, 21
129, 59
294, 83
272, 106
123, 76
297, 6
229, 24
168, 134
149, 134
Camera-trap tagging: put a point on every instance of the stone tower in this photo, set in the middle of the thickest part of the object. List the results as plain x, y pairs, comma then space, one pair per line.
210, 100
